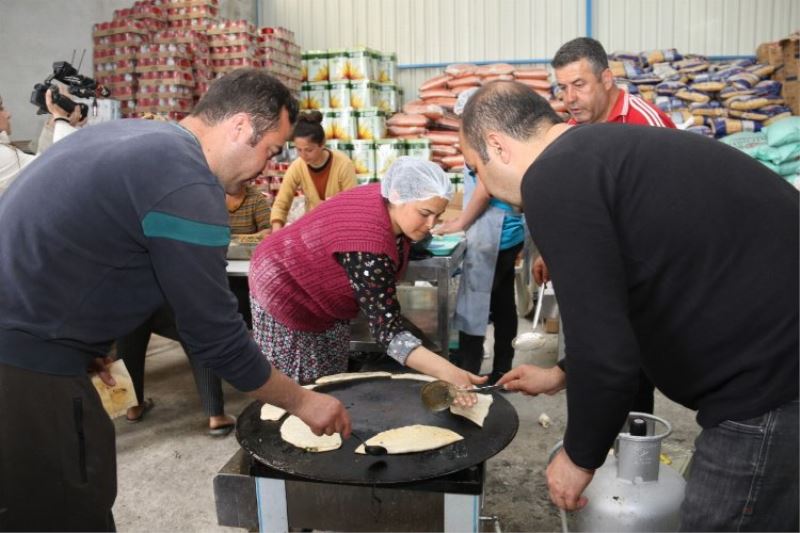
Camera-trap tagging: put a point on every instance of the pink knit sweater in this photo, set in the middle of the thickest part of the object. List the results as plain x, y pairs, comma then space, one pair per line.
294, 274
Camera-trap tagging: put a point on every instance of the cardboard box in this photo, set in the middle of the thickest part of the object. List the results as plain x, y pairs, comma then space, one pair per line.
770, 53
551, 325
791, 57
791, 94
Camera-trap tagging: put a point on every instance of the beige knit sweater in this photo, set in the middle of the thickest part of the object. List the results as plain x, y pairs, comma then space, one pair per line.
342, 177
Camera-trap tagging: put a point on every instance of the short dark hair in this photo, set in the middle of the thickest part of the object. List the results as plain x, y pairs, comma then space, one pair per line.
508, 107
582, 48
250, 91
309, 126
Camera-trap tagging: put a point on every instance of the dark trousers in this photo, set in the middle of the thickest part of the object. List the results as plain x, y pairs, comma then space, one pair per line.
744, 475
241, 289
644, 400
133, 348
58, 467
503, 311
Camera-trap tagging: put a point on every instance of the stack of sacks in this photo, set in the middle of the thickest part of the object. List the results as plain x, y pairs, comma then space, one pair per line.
707, 98
777, 146
431, 116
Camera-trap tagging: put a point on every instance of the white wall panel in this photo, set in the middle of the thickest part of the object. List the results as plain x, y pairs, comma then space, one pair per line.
709, 27
432, 31
445, 31
419, 31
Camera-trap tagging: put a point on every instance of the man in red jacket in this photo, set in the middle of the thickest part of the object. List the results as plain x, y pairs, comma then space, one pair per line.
587, 87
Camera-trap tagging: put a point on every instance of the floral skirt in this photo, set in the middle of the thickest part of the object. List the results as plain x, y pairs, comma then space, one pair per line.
304, 356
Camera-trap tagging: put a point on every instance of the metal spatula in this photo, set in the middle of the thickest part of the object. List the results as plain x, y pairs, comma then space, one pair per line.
439, 395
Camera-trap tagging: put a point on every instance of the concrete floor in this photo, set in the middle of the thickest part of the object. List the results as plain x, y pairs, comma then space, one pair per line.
166, 463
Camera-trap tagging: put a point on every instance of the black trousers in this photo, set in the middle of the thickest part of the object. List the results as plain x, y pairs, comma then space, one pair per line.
133, 348
503, 311
58, 469
644, 401
241, 289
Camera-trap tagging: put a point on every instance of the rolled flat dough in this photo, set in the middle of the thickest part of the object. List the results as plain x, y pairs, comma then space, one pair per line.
296, 432
347, 376
409, 439
271, 412
478, 412
415, 377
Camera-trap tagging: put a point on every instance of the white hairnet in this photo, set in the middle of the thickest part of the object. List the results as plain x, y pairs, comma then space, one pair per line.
410, 179
462, 100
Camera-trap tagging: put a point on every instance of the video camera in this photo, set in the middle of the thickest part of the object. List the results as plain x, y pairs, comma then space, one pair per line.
77, 85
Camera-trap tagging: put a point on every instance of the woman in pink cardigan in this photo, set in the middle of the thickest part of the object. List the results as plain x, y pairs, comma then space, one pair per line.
310, 279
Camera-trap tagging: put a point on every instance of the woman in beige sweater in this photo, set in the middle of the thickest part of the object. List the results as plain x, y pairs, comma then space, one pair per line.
319, 172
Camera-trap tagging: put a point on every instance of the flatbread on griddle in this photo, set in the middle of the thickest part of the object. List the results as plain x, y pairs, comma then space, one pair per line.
271, 412
347, 376
476, 413
296, 432
410, 439
415, 377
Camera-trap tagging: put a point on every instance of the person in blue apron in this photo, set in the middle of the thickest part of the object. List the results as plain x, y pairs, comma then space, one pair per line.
495, 234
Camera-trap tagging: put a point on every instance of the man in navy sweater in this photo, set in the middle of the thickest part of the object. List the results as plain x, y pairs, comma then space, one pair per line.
650, 235
103, 229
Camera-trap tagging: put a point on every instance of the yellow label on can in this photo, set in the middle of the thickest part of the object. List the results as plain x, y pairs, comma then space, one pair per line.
344, 125
317, 96
371, 124
359, 65
363, 94
363, 157
339, 94
337, 65
387, 98
316, 66
386, 152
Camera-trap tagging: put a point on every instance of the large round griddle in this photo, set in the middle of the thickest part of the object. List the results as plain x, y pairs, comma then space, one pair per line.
375, 405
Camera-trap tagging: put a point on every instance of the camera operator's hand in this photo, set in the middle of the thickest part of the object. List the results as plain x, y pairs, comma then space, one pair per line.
75, 119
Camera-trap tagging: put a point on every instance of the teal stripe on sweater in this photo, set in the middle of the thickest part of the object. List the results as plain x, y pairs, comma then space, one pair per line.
157, 224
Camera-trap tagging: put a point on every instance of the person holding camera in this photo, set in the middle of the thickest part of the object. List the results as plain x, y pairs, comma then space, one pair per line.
12, 159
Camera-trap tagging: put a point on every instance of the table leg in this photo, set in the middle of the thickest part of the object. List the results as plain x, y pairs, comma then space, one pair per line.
443, 310
272, 511
462, 512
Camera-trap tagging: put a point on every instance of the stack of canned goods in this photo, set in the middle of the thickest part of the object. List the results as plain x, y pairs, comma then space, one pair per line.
356, 77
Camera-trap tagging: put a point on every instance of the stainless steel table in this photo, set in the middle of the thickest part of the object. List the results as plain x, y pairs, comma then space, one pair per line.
238, 267
433, 320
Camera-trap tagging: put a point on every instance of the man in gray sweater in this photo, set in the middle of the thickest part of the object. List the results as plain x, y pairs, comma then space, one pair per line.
103, 229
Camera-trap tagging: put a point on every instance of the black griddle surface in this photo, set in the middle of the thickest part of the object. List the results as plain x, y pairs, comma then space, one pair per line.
376, 405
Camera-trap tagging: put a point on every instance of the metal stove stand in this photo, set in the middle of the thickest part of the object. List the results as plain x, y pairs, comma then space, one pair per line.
251, 495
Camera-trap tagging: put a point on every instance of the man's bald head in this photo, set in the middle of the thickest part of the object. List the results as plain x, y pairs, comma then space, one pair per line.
506, 107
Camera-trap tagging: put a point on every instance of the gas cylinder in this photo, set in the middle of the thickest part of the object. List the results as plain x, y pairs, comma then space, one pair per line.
633, 490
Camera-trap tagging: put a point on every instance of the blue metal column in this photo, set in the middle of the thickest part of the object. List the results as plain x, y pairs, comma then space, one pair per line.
589, 18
